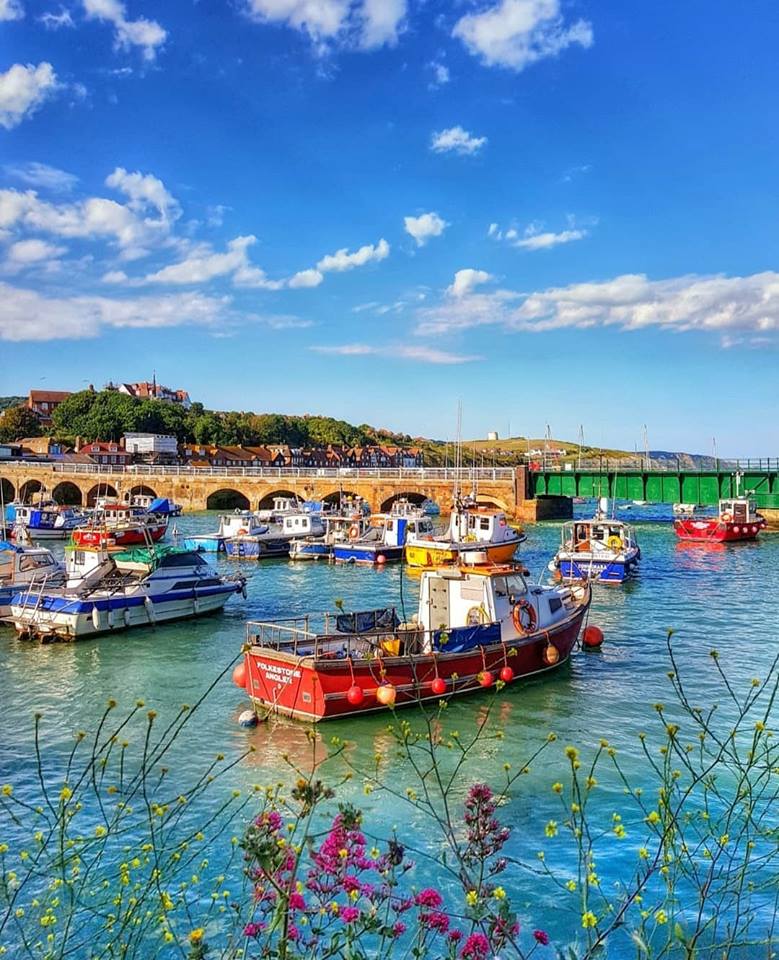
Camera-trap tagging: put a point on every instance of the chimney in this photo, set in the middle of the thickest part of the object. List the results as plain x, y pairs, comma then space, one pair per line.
79, 443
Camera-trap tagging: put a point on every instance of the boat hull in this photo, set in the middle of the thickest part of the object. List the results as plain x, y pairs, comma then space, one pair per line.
131, 537
254, 548
64, 618
367, 553
599, 571
713, 530
429, 554
208, 543
314, 690
315, 550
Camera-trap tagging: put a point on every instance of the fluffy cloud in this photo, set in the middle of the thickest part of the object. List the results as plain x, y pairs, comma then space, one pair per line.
732, 307
306, 278
535, 237
400, 351
204, 265
93, 218
27, 315
343, 260
456, 139
144, 190
56, 21
465, 281
23, 89
11, 10
146, 34
43, 176
367, 24
25, 253
440, 75
425, 226
517, 33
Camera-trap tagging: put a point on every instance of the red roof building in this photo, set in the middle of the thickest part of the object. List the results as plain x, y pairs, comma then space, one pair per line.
45, 402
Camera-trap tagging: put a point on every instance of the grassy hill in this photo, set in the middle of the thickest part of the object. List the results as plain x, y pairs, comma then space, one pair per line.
6, 402
513, 450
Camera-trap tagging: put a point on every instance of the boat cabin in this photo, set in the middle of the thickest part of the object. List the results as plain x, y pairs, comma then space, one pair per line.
479, 524
392, 530
20, 565
37, 518
302, 525
242, 523
598, 533
739, 510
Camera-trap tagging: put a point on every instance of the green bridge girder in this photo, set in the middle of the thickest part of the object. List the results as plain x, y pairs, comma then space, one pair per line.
704, 488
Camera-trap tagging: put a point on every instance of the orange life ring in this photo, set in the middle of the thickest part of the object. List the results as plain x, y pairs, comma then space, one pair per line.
520, 608
726, 517
242, 532
582, 546
354, 532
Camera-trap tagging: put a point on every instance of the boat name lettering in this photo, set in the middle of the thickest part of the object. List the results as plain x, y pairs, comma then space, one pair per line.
278, 673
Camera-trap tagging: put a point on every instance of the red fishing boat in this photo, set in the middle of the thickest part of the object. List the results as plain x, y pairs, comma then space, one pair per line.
121, 525
737, 520
475, 625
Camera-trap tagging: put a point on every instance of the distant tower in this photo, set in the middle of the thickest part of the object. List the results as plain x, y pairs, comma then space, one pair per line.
492, 435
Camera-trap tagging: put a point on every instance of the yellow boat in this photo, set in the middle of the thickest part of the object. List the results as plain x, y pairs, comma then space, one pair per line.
473, 529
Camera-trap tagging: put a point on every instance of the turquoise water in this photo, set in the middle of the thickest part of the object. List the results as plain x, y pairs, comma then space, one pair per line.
710, 595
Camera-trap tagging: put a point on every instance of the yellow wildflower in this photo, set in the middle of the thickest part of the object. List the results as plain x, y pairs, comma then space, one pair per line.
196, 936
551, 828
472, 898
589, 920
557, 787
499, 893
661, 916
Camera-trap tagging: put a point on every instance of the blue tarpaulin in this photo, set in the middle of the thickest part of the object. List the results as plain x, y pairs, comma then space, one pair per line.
466, 638
368, 620
161, 505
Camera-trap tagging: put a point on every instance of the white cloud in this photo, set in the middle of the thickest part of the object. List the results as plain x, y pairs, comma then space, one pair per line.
419, 353
367, 24
92, 218
732, 307
146, 34
24, 253
343, 260
115, 276
440, 75
11, 10
27, 315
204, 264
42, 175
23, 89
306, 278
536, 238
144, 190
425, 226
56, 21
456, 139
381, 22
465, 281
517, 33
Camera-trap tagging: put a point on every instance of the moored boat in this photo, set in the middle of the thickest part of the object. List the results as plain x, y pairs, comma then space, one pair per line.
601, 548
475, 625
22, 565
272, 539
106, 591
736, 520
44, 521
124, 525
473, 528
384, 538
339, 528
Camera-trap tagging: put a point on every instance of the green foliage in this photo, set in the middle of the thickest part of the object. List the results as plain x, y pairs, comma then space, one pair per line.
18, 422
6, 402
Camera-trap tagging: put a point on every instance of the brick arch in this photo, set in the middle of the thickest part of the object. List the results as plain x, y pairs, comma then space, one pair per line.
100, 490
141, 489
335, 495
7, 489
227, 498
490, 500
266, 502
413, 496
68, 493
29, 489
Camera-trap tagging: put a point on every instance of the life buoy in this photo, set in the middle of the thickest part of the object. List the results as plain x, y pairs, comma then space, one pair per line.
614, 543
242, 532
524, 609
475, 616
726, 517
354, 532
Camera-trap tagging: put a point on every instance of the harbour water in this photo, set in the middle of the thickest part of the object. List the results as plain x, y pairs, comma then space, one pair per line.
712, 596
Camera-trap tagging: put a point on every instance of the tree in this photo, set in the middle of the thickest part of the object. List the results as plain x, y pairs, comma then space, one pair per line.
19, 422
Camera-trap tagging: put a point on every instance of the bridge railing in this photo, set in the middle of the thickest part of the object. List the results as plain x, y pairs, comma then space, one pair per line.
656, 465
465, 476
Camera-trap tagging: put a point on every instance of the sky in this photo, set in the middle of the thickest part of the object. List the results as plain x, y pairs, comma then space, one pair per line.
559, 212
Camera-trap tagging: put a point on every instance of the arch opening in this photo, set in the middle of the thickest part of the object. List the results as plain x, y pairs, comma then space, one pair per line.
100, 490
141, 490
227, 499
67, 493
266, 503
334, 499
412, 496
30, 489
7, 489
489, 501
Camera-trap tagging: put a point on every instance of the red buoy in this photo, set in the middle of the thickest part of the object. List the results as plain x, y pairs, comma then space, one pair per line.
239, 674
506, 674
386, 694
486, 679
381, 559
438, 686
592, 636
355, 695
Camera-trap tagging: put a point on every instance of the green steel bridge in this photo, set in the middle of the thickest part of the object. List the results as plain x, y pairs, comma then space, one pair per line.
660, 481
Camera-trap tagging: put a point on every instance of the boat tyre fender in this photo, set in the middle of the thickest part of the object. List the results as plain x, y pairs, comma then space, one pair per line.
726, 517
354, 532
614, 543
524, 617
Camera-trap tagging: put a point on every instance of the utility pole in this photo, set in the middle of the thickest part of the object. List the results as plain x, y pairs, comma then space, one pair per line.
646, 446
581, 443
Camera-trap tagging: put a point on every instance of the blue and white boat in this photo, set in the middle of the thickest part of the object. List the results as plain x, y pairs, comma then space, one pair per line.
339, 529
239, 523
105, 592
272, 539
602, 549
21, 566
46, 521
384, 539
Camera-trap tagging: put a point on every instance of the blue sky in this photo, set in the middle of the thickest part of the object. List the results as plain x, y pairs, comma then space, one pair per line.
558, 211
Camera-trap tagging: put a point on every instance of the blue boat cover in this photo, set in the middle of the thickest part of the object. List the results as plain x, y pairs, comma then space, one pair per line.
5, 545
160, 505
368, 620
466, 638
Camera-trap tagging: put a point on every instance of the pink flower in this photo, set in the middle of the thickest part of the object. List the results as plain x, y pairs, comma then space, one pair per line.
292, 932
350, 914
477, 947
253, 929
398, 929
428, 898
296, 902
435, 921
455, 936
541, 936
350, 883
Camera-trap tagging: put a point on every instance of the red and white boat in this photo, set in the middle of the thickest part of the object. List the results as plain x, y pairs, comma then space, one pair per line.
737, 520
475, 625
122, 525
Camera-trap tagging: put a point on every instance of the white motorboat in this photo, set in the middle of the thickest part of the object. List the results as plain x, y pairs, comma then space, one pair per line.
21, 566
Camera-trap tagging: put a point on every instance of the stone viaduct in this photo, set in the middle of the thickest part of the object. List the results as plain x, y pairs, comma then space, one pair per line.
250, 488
